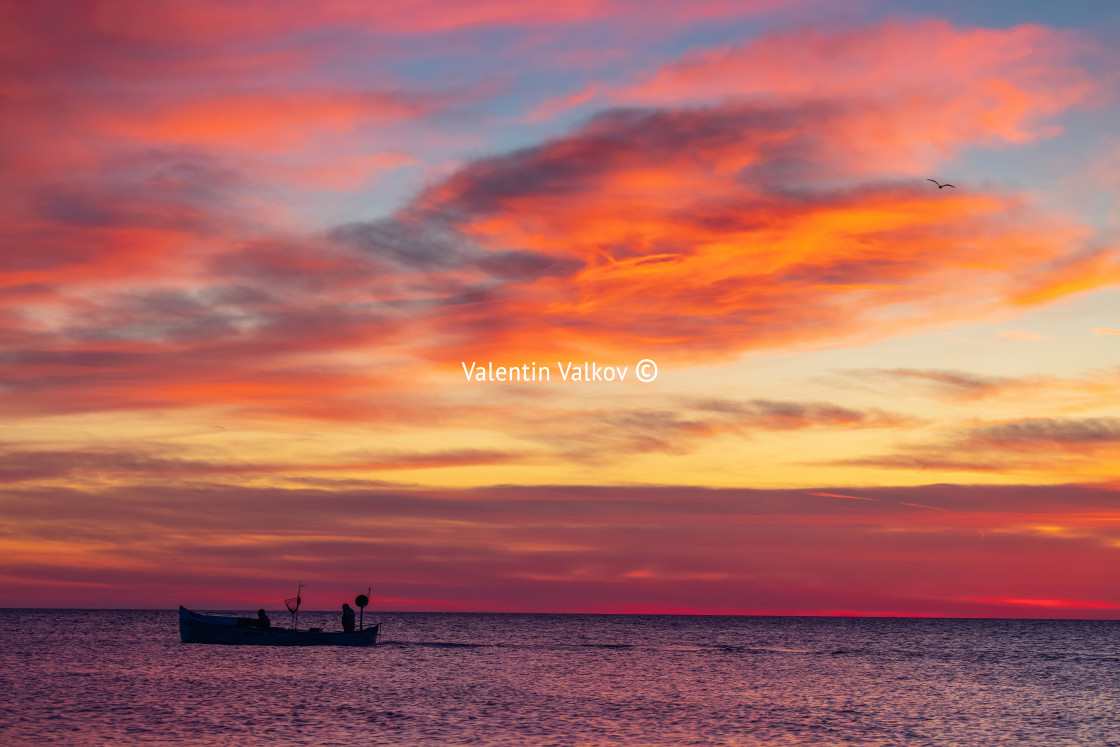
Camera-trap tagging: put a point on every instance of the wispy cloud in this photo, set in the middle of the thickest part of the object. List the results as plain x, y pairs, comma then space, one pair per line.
1069, 446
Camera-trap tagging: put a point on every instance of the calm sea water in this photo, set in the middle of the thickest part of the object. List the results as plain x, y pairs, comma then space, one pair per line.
103, 677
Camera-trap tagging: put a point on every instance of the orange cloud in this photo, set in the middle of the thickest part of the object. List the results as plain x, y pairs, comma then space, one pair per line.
704, 232
691, 234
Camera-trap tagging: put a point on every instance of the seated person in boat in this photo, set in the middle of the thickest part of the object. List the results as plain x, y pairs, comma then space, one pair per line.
260, 621
347, 618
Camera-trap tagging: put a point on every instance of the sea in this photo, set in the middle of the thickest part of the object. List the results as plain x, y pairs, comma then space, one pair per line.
119, 677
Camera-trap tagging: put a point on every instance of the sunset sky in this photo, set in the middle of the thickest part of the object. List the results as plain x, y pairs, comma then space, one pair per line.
248, 249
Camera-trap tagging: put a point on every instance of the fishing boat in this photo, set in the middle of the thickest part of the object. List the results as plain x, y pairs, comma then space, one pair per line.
195, 627
198, 628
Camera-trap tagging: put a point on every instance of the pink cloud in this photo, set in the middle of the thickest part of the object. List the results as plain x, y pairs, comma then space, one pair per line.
929, 87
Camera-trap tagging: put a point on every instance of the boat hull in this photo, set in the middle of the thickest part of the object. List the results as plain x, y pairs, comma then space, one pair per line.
196, 628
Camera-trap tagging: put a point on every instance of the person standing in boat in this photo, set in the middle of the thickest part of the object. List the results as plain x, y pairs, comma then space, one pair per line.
347, 618
262, 620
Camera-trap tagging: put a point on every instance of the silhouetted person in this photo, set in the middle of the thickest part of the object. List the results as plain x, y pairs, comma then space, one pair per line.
262, 620
347, 618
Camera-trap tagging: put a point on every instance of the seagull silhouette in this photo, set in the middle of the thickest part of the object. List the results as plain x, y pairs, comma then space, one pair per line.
940, 186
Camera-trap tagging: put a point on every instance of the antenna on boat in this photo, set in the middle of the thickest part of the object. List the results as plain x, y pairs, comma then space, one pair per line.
293, 606
362, 600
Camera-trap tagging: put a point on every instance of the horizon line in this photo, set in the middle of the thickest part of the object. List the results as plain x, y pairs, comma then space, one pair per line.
597, 614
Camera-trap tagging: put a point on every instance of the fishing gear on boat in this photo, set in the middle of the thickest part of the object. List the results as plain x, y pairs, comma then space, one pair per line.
362, 600
293, 606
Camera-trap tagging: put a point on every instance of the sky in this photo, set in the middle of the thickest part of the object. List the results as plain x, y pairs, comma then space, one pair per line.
258, 261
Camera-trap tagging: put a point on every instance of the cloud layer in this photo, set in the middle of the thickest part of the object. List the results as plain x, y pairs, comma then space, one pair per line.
733, 202
937, 550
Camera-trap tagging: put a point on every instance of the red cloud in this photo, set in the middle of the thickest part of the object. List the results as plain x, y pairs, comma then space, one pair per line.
272, 121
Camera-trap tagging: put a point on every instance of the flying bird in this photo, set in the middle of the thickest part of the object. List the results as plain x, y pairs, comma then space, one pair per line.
940, 186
